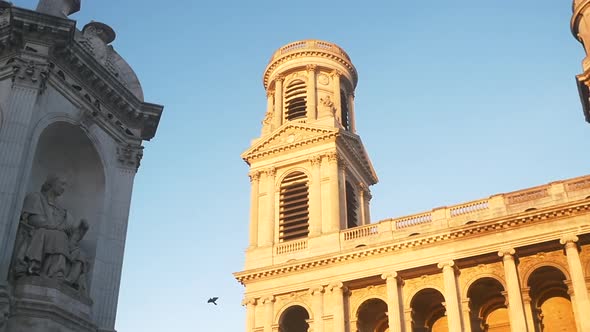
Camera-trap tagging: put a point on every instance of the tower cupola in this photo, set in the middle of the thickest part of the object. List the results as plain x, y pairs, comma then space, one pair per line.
310, 81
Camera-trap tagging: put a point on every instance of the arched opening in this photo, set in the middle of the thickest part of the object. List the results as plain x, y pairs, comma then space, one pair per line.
372, 316
294, 319
296, 101
294, 207
428, 312
65, 151
344, 116
351, 206
487, 306
551, 304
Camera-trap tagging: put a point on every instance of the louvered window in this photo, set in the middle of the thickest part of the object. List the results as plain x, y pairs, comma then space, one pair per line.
296, 101
351, 206
344, 116
294, 207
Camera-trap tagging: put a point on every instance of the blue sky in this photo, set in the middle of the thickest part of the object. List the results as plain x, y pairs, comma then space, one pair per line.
457, 100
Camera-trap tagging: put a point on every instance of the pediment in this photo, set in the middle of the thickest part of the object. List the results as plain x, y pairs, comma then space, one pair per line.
287, 137
354, 147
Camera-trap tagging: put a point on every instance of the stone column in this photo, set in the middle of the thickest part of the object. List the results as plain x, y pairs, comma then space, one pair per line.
268, 313
570, 292
528, 309
277, 118
318, 308
311, 93
337, 100
337, 289
515, 307
351, 117
315, 197
393, 306
29, 79
466, 310
254, 182
581, 303
250, 314
451, 295
269, 226
334, 192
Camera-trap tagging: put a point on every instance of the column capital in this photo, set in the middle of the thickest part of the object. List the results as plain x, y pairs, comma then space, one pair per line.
389, 275
271, 171
315, 160
317, 290
270, 93
336, 285
280, 78
254, 176
268, 300
568, 238
332, 157
249, 301
506, 252
446, 264
336, 73
311, 68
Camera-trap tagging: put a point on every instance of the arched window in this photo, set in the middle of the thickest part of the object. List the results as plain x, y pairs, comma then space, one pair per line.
295, 101
294, 207
294, 319
351, 206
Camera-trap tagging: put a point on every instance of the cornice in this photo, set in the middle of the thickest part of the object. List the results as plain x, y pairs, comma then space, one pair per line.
309, 53
359, 155
503, 223
576, 15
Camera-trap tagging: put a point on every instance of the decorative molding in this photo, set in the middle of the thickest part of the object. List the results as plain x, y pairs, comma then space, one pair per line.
29, 73
270, 172
311, 67
315, 160
254, 176
249, 301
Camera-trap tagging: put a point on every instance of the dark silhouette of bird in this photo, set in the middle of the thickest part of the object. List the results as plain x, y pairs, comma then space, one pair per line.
212, 300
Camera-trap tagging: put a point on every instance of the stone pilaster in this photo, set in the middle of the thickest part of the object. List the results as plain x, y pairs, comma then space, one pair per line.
315, 197
318, 308
311, 93
351, 115
393, 300
254, 197
451, 295
278, 115
528, 309
337, 99
334, 192
268, 303
466, 314
267, 231
250, 314
515, 307
337, 291
582, 303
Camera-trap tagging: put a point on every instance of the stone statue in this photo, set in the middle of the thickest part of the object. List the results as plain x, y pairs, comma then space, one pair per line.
48, 240
327, 106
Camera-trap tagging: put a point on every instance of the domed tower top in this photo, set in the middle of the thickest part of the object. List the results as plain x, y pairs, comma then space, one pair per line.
310, 81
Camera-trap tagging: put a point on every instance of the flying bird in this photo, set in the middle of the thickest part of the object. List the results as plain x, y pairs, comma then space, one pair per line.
212, 300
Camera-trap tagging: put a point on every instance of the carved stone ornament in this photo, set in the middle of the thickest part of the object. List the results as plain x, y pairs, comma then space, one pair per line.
130, 155
48, 239
29, 73
327, 106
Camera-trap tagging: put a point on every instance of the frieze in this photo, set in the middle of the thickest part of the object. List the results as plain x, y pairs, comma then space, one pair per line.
129, 156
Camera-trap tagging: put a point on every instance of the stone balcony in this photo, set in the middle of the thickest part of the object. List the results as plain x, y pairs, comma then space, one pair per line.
495, 209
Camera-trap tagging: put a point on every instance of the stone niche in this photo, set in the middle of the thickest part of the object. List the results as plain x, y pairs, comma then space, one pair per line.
63, 150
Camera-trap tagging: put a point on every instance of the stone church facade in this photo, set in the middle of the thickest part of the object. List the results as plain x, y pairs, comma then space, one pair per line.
72, 122
517, 261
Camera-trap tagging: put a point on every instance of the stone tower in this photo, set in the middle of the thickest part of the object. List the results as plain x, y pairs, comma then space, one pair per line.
72, 123
309, 171
580, 26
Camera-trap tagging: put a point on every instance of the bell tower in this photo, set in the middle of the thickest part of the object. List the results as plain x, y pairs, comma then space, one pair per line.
310, 174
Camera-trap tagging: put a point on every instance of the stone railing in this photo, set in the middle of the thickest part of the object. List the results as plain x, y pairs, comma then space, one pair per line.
359, 232
412, 220
309, 44
469, 207
291, 246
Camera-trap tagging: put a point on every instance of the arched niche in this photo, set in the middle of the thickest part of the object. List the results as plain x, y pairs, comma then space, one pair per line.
294, 319
66, 150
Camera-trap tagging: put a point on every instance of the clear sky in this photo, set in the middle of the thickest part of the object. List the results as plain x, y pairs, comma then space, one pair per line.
457, 100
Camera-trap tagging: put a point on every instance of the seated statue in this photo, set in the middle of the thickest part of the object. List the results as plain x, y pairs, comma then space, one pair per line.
47, 243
